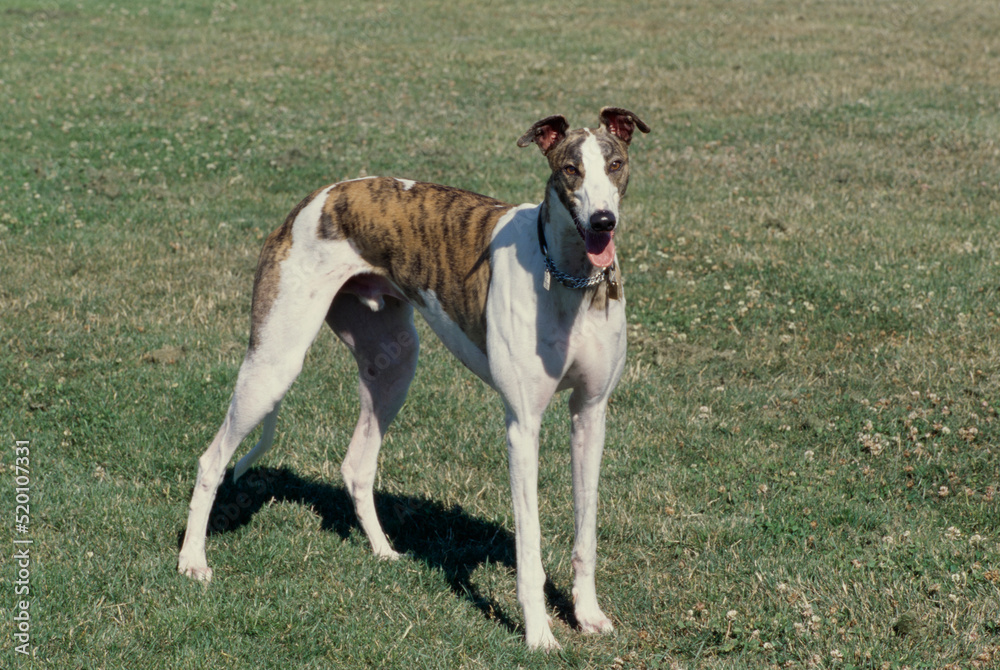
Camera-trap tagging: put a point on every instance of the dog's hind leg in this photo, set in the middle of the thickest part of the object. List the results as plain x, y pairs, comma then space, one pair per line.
385, 346
271, 365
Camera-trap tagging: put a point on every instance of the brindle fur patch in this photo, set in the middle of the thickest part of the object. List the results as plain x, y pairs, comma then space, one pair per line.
423, 238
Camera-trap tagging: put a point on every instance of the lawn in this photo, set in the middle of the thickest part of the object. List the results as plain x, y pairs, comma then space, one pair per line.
802, 458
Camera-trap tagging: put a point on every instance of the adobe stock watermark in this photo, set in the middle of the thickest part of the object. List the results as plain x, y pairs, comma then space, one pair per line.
390, 353
227, 515
22, 547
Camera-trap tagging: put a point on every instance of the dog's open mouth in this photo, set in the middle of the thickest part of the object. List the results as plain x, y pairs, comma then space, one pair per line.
600, 246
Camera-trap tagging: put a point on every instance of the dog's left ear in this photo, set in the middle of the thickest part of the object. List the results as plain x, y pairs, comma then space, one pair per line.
546, 133
622, 123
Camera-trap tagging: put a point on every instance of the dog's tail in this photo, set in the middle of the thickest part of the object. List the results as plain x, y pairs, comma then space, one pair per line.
266, 439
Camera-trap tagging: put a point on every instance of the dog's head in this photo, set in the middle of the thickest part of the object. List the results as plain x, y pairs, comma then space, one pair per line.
590, 173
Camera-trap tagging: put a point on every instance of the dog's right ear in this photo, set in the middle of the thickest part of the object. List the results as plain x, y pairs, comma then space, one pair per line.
546, 133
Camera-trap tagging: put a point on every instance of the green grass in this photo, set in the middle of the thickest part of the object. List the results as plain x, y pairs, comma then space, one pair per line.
802, 459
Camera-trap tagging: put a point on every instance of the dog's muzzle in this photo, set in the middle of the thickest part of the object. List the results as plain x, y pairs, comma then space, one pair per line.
599, 237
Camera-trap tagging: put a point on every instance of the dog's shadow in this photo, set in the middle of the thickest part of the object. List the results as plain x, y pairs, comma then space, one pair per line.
448, 539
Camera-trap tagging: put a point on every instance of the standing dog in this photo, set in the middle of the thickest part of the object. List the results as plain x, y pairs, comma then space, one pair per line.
362, 254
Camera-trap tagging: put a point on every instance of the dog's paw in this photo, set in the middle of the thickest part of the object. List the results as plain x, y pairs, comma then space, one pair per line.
542, 640
191, 569
388, 554
599, 625
594, 621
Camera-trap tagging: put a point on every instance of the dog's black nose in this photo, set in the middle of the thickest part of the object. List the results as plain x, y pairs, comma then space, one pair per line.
602, 221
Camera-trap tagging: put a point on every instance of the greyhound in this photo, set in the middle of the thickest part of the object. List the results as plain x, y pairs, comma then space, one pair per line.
363, 254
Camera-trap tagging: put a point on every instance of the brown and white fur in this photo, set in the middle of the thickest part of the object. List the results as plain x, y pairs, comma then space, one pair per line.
362, 254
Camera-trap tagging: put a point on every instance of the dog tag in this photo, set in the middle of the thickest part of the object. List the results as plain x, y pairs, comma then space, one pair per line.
547, 282
614, 283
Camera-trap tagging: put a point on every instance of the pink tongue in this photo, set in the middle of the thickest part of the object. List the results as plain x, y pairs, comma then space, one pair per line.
600, 248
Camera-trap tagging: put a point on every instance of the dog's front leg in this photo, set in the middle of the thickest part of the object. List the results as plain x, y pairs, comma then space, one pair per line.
587, 444
522, 450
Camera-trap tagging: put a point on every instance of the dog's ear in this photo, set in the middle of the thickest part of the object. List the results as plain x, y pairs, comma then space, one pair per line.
546, 133
622, 123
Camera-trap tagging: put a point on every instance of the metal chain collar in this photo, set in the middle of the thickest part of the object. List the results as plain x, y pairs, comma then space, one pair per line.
567, 280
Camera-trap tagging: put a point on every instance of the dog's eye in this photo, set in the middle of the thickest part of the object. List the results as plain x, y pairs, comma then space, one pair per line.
615, 166
571, 170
